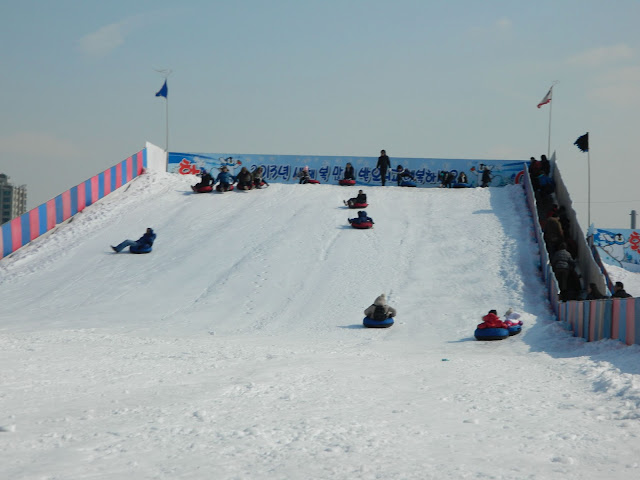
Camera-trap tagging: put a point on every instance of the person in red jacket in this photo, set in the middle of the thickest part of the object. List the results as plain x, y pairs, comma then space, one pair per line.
491, 320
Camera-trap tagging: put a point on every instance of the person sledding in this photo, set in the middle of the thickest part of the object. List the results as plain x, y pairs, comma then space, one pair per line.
349, 173
511, 318
362, 220
491, 320
142, 245
244, 179
258, 180
224, 180
379, 310
360, 199
404, 175
206, 180
304, 175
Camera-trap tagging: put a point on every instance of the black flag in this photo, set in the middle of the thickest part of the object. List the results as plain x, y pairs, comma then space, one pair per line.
583, 142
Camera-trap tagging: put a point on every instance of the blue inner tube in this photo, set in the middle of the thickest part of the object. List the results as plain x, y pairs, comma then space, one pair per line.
491, 333
371, 323
408, 183
136, 249
515, 329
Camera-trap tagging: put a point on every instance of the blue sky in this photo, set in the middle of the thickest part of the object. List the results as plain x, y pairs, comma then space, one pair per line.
456, 79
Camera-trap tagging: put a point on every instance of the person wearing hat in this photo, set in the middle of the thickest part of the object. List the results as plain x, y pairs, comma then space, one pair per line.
512, 318
144, 242
379, 310
225, 179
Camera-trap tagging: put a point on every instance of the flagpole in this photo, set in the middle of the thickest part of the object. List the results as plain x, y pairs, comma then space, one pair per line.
588, 189
549, 136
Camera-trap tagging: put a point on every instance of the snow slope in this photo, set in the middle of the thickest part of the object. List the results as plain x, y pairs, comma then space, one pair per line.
236, 349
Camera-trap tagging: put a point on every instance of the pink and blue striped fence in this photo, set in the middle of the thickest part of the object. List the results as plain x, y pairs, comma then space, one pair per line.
18, 232
595, 320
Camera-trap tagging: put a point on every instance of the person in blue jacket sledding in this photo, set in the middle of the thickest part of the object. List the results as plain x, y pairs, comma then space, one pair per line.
362, 218
145, 241
225, 179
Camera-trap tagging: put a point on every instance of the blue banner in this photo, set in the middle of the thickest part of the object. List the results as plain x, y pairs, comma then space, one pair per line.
329, 169
619, 247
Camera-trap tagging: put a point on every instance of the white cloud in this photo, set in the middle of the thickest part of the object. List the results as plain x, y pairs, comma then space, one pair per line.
618, 87
107, 38
602, 55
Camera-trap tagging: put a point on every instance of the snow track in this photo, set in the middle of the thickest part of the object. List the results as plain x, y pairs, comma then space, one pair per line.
235, 350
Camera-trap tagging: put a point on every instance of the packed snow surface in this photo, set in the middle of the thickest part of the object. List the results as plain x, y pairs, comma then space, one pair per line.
235, 350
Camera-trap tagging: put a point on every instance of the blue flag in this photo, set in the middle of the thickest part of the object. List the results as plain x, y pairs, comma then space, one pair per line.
163, 91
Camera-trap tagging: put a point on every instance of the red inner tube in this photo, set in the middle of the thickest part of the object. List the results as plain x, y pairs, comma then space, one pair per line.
362, 226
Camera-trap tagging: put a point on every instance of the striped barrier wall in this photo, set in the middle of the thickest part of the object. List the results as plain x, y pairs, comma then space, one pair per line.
594, 320
545, 265
21, 230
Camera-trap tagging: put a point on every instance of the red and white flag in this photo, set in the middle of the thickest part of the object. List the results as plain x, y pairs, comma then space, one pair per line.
546, 99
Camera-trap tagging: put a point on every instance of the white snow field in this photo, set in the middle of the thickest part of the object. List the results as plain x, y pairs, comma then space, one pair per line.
235, 350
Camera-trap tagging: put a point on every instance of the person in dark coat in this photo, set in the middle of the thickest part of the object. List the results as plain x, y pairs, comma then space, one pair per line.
619, 291
546, 184
360, 199
145, 240
380, 303
244, 179
361, 218
462, 178
383, 165
553, 233
404, 174
545, 165
349, 173
205, 180
486, 177
563, 264
304, 175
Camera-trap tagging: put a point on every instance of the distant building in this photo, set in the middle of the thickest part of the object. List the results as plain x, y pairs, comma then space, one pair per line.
13, 200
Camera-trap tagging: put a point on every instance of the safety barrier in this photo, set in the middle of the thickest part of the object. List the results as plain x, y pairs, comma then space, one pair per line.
21, 230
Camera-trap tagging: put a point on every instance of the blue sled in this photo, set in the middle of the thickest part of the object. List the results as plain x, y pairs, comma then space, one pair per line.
371, 323
407, 183
514, 330
491, 333
136, 249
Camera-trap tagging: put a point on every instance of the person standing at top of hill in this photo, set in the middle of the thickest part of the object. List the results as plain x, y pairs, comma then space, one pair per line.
383, 165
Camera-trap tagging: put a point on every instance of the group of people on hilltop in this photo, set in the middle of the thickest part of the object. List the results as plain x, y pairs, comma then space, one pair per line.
541, 179
245, 179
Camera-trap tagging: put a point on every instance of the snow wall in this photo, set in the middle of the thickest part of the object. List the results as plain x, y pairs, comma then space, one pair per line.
330, 169
21, 230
